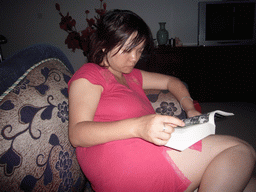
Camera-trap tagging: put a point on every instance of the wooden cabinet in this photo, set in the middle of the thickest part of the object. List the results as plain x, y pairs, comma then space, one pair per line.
219, 73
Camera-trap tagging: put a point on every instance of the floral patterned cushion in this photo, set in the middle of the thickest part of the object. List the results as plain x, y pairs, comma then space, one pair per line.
165, 103
35, 153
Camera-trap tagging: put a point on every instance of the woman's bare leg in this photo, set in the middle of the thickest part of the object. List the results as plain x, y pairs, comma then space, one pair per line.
251, 185
225, 164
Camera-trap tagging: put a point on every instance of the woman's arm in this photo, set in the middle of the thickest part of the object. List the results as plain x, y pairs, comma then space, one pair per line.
174, 85
83, 131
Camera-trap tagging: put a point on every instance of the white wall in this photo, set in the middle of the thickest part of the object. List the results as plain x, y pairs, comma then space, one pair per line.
26, 22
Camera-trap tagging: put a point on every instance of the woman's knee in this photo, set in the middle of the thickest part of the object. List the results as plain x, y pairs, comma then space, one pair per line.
242, 146
246, 147
220, 143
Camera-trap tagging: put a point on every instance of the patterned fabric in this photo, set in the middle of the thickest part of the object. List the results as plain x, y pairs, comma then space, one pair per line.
165, 103
35, 153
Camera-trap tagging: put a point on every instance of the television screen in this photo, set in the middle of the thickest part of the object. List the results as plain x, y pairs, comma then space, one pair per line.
226, 23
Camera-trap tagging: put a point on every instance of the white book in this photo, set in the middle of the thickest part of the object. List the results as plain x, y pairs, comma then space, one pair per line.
195, 129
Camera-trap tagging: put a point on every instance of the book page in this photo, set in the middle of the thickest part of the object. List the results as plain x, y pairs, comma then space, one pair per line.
195, 129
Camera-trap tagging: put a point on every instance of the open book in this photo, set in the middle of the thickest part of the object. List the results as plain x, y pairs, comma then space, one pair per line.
195, 129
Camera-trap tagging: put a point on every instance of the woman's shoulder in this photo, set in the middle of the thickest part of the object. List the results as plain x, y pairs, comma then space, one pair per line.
89, 66
136, 71
135, 76
91, 72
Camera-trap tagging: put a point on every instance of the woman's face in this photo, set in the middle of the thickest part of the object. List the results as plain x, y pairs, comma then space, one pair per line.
124, 61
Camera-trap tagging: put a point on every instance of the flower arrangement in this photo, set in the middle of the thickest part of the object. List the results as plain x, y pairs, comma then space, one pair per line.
80, 39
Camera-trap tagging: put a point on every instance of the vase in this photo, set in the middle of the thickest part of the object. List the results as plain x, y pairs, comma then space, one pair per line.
162, 34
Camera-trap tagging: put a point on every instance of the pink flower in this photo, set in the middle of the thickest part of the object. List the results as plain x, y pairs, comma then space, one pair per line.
67, 23
90, 22
100, 11
57, 6
79, 40
73, 40
87, 32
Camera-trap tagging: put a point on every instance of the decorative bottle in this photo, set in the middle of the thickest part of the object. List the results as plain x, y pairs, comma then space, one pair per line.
162, 34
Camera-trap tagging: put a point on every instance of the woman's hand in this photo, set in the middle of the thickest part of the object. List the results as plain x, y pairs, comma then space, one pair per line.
157, 129
192, 113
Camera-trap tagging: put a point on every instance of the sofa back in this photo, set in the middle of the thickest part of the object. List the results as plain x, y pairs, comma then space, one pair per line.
35, 153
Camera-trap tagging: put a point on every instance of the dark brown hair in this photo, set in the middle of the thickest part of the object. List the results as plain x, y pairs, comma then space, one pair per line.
114, 29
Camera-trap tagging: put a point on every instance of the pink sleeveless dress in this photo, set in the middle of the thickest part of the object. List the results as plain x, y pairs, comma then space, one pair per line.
126, 165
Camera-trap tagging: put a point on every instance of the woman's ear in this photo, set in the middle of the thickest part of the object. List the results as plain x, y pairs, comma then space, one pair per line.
104, 62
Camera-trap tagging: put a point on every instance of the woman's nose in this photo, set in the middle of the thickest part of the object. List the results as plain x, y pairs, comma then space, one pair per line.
134, 55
